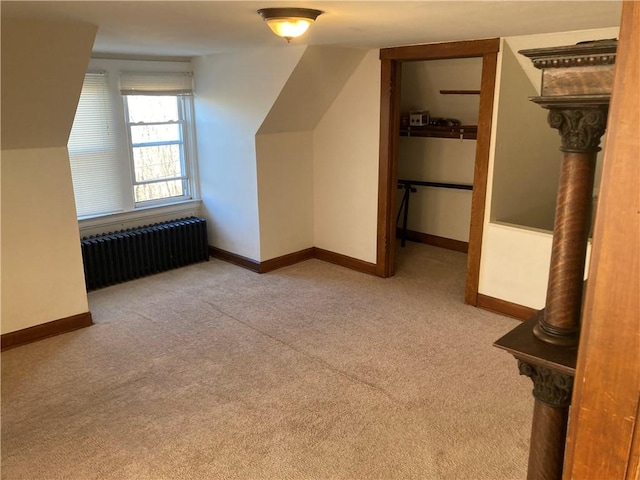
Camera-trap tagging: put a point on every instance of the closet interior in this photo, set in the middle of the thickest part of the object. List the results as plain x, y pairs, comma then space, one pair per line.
439, 107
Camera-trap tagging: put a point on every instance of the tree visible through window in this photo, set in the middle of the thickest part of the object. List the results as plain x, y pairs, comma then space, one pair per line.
132, 142
156, 131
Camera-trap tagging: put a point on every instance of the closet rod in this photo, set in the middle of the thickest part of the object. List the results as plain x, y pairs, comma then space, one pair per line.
460, 92
457, 186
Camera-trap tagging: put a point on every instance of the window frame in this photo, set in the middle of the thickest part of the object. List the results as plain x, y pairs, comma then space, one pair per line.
185, 123
157, 210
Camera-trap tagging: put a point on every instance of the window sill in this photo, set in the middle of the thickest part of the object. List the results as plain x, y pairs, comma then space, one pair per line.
138, 217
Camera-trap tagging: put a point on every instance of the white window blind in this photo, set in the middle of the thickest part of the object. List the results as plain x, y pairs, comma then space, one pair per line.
141, 83
93, 150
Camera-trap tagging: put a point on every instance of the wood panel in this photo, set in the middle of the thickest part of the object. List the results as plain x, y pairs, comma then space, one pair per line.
591, 80
481, 172
509, 309
391, 62
234, 258
345, 261
286, 260
440, 51
603, 428
435, 240
524, 345
292, 258
388, 166
469, 132
45, 330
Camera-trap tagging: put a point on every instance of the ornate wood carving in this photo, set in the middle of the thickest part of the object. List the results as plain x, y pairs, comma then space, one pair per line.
580, 128
600, 52
583, 69
581, 122
604, 426
549, 386
576, 85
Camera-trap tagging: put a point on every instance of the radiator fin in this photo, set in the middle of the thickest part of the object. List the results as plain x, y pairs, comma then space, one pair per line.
117, 257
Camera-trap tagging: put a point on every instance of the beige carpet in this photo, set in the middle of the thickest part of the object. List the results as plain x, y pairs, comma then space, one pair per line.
310, 372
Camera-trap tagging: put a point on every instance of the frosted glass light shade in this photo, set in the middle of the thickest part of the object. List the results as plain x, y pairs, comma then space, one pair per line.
289, 27
289, 23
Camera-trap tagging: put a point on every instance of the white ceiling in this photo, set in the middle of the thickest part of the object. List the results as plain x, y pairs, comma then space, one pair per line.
190, 28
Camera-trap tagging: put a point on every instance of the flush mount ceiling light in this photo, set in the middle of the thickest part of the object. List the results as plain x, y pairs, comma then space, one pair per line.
289, 23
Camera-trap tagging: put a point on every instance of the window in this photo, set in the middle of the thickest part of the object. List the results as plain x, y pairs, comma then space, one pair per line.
131, 144
156, 133
93, 151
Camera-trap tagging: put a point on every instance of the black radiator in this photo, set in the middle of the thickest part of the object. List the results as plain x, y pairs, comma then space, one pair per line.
116, 257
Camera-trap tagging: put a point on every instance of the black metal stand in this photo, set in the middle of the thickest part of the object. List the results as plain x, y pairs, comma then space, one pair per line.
409, 188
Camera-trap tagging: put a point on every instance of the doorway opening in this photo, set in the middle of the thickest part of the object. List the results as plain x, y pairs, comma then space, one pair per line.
392, 60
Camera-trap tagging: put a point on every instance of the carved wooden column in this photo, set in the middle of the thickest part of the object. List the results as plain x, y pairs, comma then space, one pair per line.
576, 86
552, 392
581, 122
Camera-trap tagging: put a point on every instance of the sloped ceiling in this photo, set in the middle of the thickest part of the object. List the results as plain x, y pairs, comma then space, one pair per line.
192, 28
43, 66
311, 88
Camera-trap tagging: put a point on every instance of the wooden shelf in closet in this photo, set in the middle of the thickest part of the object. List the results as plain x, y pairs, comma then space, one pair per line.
469, 132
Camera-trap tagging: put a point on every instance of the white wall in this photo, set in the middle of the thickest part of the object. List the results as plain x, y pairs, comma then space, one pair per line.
438, 211
255, 112
42, 273
422, 82
345, 166
312, 87
515, 264
515, 261
41, 63
526, 163
520, 258
43, 67
233, 95
284, 147
285, 193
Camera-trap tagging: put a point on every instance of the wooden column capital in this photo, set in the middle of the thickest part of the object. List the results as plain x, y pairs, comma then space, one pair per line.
545, 346
581, 128
581, 122
550, 387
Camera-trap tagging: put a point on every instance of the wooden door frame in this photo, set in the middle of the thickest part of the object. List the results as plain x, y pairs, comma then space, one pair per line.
604, 424
391, 69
